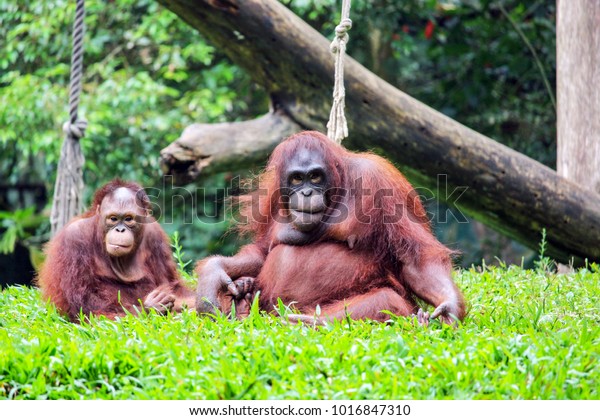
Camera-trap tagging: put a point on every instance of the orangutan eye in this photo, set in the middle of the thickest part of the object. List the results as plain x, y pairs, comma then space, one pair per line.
296, 179
316, 178
128, 219
113, 219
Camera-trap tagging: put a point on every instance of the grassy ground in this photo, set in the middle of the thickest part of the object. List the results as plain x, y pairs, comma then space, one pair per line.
529, 335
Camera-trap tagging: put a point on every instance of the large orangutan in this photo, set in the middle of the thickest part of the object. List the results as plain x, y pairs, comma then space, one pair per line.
339, 230
114, 258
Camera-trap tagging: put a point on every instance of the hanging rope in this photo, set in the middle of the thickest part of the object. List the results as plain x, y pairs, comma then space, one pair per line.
337, 127
68, 189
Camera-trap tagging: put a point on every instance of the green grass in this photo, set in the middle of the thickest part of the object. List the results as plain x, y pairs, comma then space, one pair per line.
529, 335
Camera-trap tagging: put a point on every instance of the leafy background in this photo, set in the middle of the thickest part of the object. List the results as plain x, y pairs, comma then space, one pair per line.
487, 64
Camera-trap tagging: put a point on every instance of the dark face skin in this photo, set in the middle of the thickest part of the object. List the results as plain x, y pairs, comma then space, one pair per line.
304, 184
120, 215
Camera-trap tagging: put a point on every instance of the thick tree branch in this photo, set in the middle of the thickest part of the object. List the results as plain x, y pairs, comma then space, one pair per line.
213, 148
509, 191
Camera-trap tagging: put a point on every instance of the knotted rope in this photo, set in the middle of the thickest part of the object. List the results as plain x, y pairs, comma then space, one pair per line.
337, 127
68, 189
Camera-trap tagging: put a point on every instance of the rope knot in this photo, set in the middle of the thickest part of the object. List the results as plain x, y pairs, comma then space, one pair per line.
344, 26
75, 130
341, 35
337, 127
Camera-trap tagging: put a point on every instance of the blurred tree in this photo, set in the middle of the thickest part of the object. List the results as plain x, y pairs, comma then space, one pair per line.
578, 92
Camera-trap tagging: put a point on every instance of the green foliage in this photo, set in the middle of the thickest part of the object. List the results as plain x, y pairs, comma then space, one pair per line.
528, 335
148, 75
544, 263
184, 267
15, 226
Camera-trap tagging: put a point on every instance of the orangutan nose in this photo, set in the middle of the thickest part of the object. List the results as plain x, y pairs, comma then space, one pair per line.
307, 192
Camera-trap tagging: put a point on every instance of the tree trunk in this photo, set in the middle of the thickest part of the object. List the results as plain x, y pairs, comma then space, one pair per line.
506, 190
578, 91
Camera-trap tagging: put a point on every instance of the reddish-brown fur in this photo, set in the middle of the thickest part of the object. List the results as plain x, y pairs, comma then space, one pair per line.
360, 264
77, 275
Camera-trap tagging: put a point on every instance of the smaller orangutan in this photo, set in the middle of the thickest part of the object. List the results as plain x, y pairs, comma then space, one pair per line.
113, 259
